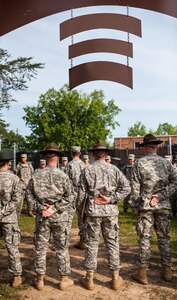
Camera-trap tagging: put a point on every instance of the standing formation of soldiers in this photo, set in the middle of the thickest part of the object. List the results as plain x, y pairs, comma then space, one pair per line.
93, 191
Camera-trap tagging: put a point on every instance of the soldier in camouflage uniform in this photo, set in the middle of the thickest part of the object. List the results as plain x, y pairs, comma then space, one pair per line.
50, 191
154, 181
24, 171
73, 170
9, 200
64, 163
102, 186
128, 170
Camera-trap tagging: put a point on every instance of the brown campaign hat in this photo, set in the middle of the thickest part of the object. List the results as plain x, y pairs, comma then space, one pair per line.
99, 145
6, 155
150, 139
52, 148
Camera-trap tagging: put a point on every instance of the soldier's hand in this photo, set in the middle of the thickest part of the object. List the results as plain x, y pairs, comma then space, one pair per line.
48, 211
102, 200
154, 200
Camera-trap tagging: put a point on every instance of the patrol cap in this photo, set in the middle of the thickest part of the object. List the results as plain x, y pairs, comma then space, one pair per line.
76, 149
6, 155
64, 158
131, 156
168, 157
85, 156
42, 162
23, 155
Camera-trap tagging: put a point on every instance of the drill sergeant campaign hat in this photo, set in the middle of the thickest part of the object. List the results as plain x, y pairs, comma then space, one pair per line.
150, 139
6, 155
99, 145
52, 149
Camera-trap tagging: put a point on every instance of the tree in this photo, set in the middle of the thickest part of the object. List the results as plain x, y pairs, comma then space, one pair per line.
138, 129
8, 138
166, 129
14, 75
70, 118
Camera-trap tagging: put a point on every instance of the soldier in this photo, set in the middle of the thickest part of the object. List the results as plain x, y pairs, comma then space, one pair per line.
50, 190
73, 170
9, 200
86, 159
154, 181
128, 172
108, 159
42, 164
102, 186
64, 163
24, 171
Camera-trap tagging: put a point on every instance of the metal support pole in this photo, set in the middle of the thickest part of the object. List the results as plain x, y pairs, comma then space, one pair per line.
169, 146
14, 155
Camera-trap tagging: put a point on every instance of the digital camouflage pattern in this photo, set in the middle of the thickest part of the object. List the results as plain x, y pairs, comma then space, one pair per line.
160, 220
10, 194
73, 170
106, 179
51, 186
24, 172
153, 175
128, 171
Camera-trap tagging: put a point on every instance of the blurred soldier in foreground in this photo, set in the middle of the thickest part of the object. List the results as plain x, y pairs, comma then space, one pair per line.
102, 187
108, 159
154, 181
128, 170
64, 163
174, 196
86, 159
73, 170
10, 194
24, 171
50, 190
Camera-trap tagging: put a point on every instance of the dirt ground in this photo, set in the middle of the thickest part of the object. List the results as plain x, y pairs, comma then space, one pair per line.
157, 288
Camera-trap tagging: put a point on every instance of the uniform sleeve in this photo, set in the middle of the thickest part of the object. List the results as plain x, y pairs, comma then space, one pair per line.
172, 187
81, 192
30, 195
123, 189
136, 187
12, 205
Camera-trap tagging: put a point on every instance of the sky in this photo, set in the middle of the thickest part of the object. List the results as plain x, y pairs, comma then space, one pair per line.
153, 99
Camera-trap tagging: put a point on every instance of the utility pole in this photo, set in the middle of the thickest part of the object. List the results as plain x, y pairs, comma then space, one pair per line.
15, 151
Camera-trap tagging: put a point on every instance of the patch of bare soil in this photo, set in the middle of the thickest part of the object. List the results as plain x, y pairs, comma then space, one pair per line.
157, 288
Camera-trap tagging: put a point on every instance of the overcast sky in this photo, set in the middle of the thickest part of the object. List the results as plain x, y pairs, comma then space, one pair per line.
153, 99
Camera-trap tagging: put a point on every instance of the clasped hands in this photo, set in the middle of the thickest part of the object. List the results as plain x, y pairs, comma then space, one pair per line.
102, 199
47, 211
154, 200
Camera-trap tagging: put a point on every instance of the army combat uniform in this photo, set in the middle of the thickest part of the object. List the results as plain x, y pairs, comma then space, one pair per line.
153, 175
51, 186
101, 178
73, 170
10, 194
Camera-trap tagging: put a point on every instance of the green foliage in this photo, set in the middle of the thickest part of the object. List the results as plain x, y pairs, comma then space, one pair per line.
8, 138
68, 117
138, 129
14, 75
166, 129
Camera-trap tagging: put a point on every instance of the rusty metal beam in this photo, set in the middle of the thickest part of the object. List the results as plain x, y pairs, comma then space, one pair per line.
101, 45
97, 21
16, 13
100, 70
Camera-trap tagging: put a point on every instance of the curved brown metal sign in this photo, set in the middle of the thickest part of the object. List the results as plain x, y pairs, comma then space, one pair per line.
100, 70
101, 45
95, 21
16, 13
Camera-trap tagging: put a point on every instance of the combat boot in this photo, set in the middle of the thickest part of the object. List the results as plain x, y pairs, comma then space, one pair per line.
65, 282
141, 275
117, 280
167, 273
87, 281
80, 245
39, 282
17, 281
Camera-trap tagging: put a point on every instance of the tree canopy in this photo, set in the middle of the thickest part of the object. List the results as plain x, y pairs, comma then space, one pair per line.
70, 118
14, 75
138, 129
